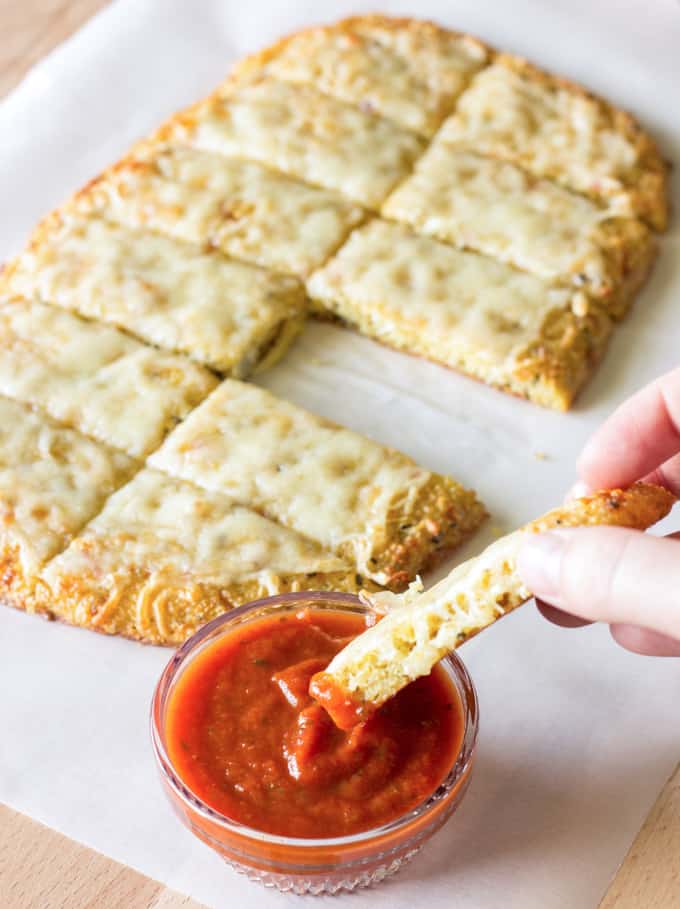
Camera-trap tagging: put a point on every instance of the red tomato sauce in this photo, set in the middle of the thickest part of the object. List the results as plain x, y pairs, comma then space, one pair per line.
247, 738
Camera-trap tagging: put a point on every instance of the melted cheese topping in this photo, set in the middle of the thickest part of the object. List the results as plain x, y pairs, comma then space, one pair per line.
520, 115
95, 378
496, 208
457, 307
297, 130
52, 481
169, 293
236, 206
411, 75
158, 524
330, 484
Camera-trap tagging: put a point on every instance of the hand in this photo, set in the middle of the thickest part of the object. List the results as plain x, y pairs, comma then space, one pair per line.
608, 574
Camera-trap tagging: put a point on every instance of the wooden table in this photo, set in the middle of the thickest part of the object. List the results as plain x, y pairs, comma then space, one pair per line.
41, 869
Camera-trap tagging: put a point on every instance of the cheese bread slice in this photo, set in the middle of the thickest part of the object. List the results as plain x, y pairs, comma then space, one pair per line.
300, 131
164, 557
496, 208
52, 481
226, 314
407, 70
366, 502
239, 207
555, 129
95, 378
509, 328
420, 628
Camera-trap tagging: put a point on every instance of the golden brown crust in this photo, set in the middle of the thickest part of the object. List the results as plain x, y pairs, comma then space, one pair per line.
442, 517
39, 235
561, 375
167, 609
42, 235
425, 30
17, 588
631, 250
638, 507
174, 130
553, 369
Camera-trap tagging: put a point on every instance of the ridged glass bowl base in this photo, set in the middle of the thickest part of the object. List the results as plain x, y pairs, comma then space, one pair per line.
346, 880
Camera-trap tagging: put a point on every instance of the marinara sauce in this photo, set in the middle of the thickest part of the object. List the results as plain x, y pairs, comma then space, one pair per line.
247, 738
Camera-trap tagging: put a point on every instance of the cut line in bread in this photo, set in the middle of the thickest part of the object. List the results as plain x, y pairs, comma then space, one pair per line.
84, 373
238, 207
299, 131
418, 629
53, 480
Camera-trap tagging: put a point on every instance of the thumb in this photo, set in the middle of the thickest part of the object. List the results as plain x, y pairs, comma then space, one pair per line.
607, 574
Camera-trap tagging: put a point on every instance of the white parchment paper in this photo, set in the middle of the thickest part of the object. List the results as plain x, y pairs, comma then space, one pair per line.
577, 736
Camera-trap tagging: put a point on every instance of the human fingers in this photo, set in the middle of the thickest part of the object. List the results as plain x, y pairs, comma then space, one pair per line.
607, 574
633, 638
668, 475
645, 641
642, 434
559, 616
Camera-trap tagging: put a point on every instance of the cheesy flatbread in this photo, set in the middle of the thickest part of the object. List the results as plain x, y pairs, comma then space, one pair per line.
507, 327
366, 502
445, 199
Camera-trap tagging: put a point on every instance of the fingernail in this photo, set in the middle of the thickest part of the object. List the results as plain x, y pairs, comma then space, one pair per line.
540, 563
578, 490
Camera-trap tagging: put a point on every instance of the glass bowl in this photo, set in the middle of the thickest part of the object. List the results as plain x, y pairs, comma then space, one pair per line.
300, 865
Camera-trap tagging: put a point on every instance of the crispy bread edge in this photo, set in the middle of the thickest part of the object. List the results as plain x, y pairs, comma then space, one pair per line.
420, 629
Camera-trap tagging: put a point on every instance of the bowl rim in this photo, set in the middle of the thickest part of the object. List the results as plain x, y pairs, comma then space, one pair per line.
456, 670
